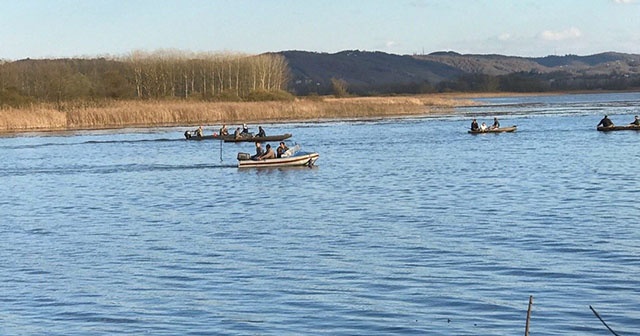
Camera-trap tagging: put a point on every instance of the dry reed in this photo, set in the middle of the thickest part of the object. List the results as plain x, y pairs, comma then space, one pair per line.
117, 114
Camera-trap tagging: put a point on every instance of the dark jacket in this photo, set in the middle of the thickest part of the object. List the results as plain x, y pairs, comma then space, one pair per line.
606, 122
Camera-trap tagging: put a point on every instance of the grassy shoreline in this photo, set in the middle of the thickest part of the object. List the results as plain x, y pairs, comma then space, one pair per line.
72, 116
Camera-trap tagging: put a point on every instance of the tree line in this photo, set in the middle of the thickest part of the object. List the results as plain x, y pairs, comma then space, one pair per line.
140, 75
540, 82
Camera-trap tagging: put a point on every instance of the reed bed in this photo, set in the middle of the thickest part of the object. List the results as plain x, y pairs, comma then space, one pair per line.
120, 114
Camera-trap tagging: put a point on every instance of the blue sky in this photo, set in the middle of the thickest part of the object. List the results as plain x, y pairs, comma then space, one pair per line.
90, 28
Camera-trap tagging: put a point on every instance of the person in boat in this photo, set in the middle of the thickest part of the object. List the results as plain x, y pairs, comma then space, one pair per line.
636, 121
199, 132
282, 148
259, 152
483, 127
605, 122
268, 154
474, 125
496, 123
261, 132
238, 133
224, 130
187, 134
245, 130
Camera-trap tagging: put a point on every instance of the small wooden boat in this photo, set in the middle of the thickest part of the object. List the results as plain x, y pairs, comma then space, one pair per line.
247, 138
496, 130
619, 128
296, 158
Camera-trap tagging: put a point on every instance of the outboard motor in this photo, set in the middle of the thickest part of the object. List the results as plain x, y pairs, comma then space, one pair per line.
244, 156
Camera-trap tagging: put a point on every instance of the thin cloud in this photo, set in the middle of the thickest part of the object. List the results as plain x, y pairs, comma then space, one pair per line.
504, 37
571, 33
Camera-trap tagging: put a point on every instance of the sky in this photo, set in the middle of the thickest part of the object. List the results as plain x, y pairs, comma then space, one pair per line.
96, 28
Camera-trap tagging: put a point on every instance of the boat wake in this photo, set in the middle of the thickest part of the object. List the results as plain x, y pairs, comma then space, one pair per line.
108, 169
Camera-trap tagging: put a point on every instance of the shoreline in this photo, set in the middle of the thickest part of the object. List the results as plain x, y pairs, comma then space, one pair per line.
114, 115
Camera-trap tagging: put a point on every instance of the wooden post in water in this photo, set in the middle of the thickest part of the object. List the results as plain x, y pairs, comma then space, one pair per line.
526, 328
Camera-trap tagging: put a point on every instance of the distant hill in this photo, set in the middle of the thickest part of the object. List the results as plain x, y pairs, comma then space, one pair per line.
378, 72
370, 71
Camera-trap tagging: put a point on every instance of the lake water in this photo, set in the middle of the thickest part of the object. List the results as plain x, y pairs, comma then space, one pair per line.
405, 227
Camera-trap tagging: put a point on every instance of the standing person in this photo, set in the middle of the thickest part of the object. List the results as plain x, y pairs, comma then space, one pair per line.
224, 130
269, 154
261, 132
199, 132
474, 125
496, 123
281, 149
605, 122
636, 121
259, 152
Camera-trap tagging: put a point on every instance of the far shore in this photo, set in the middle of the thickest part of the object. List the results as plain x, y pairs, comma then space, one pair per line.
74, 116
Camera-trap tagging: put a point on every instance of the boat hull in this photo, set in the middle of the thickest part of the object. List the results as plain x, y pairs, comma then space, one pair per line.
278, 137
302, 159
497, 130
231, 138
619, 128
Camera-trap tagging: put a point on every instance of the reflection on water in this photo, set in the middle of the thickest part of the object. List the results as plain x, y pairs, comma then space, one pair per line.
407, 226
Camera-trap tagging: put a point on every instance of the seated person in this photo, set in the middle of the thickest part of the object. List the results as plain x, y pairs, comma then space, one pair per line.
636, 121
483, 127
474, 125
245, 130
261, 132
187, 134
281, 149
199, 132
259, 152
496, 123
238, 133
224, 130
605, 122
269, 154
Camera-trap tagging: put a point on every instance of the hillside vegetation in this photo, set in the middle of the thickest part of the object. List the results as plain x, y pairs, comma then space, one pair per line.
372, 73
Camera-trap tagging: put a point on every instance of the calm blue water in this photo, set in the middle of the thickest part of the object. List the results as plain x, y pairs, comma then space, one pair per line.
405, 227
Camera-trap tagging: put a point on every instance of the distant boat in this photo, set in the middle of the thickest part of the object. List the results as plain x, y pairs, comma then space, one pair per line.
619, 128
496, 130
293, 158
246, 138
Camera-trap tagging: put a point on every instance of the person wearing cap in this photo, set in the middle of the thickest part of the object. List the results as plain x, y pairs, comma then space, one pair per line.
636, 121
605, 122
245, 129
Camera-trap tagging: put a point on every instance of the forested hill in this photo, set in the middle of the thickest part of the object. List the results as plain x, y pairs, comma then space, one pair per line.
362, 72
